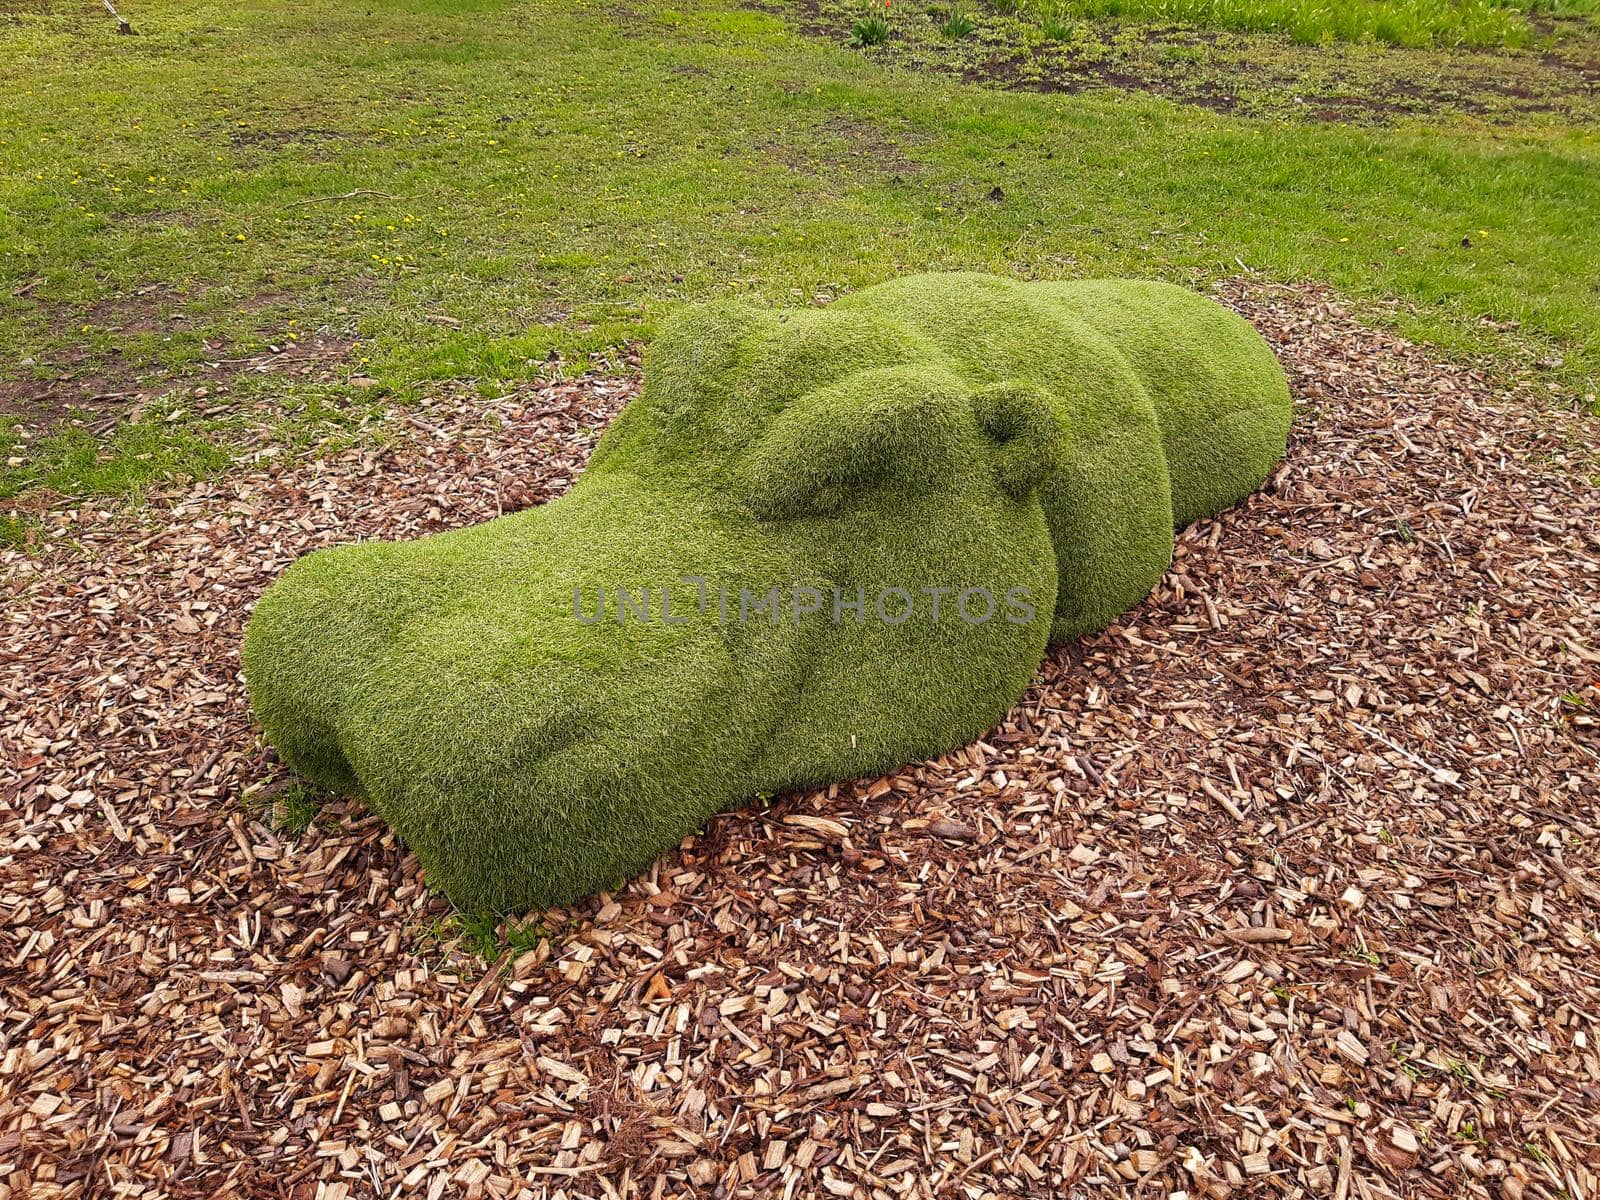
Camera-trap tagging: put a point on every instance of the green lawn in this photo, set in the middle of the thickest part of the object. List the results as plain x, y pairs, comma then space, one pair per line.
540, 178
1397, 22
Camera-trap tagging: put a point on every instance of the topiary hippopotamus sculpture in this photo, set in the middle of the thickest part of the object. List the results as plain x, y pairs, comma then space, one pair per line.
820, 543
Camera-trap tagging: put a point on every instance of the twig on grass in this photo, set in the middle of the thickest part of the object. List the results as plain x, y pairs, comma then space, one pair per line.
345, 196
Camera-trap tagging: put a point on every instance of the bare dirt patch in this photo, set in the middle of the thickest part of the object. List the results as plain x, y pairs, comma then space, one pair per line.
1237, 74
84, 382
848, 143
1288, 882
142, 310
278, 138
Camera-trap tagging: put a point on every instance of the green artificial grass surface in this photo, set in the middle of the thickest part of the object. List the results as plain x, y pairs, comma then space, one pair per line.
833, 541
477, 187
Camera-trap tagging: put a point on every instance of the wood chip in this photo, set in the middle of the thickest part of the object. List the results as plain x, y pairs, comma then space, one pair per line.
1294, 867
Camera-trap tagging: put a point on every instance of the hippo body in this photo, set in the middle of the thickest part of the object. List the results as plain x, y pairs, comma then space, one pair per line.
1175, 408
541, 704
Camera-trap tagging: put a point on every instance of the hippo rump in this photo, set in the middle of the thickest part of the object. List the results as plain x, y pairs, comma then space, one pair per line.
819, 544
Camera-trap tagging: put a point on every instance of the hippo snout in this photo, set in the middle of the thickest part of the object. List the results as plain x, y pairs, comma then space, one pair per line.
531, 741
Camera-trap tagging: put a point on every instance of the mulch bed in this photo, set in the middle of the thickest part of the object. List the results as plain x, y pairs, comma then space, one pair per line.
1285, 886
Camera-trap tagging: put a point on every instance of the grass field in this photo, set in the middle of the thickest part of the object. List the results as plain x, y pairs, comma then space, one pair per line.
447, 190
1396, 22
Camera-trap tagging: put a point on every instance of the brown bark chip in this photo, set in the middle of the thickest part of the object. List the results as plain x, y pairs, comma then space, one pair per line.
1284, 886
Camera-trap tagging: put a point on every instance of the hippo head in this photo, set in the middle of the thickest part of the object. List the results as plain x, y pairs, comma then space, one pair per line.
807, 551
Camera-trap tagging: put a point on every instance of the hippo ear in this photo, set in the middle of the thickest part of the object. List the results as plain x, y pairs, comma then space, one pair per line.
1021, 418
847, 438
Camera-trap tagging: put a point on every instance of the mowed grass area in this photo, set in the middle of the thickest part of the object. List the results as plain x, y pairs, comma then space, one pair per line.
1396, 22
468, 190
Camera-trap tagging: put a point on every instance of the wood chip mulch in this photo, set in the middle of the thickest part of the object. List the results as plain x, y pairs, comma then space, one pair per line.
1286, 886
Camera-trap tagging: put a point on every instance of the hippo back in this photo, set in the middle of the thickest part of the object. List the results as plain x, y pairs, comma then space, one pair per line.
1173, 409
1220, 395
